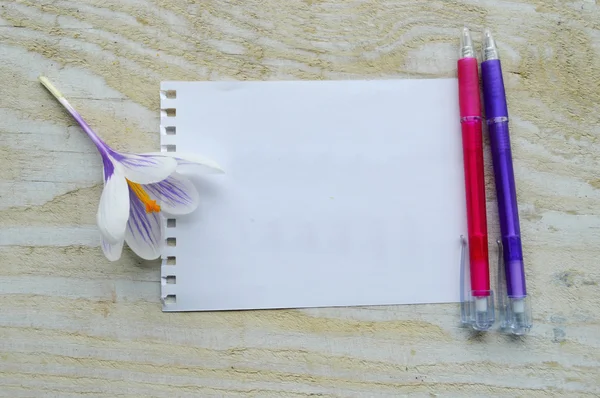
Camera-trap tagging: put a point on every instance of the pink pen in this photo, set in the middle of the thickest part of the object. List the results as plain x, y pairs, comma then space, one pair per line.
478, 309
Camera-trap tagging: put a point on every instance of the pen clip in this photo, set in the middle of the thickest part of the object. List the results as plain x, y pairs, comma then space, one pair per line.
465, 283
476, 307
515, 312
501, 288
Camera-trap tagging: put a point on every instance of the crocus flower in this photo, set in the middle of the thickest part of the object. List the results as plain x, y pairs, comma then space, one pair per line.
137, 189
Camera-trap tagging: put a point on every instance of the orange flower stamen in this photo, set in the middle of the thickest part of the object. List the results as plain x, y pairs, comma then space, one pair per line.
151, 206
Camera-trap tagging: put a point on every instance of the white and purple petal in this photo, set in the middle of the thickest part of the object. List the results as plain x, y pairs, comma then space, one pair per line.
112, 251
176, 194
145, 231
113, 210
188, 163
108, 168
143, 169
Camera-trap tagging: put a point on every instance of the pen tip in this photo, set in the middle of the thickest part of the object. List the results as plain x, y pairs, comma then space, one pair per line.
490, 51
466, 35
466, 44
488, 39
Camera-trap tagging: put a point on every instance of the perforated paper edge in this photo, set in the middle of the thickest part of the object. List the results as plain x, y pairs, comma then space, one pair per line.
168, 143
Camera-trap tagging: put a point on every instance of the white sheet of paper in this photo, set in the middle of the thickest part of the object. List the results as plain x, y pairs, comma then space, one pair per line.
336, 193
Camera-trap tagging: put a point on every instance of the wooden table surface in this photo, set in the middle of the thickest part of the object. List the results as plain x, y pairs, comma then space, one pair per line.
73, 324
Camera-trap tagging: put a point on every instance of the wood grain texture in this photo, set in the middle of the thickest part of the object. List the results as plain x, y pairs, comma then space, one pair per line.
73, 324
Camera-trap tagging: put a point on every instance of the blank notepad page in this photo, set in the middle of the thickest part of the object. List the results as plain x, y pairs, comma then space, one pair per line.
335, 193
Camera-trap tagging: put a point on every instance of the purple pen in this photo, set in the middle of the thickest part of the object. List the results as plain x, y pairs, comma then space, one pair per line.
514, 306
